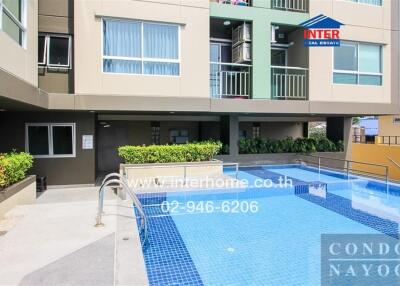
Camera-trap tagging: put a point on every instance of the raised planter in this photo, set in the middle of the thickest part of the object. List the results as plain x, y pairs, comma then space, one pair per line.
176, 170
21, 193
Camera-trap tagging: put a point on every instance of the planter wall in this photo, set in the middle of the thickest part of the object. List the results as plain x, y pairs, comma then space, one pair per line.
152, 171
21, 193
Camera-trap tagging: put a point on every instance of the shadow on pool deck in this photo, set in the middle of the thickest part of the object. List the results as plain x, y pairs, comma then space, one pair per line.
77, 269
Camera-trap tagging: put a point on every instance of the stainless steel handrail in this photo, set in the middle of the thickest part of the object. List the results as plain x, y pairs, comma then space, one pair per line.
348, 168
393, 161
122, 183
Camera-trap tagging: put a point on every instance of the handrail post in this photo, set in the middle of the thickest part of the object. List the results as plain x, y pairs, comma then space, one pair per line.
237, 170
387, 178
184, 175
319, 164
347, 166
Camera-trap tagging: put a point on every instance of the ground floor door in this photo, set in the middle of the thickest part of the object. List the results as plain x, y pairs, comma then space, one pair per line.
110, 136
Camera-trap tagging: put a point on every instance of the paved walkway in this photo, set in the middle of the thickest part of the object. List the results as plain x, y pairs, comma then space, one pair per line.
54, 242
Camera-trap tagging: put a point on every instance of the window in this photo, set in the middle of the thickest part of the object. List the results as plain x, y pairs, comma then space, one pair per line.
396, 119
12, 19
50, 140
54, 51
155, 133
133, 47
256, 130
369, 2
356, 63
179, 136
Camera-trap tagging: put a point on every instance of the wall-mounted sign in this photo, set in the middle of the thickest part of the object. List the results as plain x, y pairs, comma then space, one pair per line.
321, 31
87, 142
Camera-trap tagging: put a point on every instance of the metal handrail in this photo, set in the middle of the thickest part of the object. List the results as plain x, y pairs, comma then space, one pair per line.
393, 161
347, 165
122, 182
187, 166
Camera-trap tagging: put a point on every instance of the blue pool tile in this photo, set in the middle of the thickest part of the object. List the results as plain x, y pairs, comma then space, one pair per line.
343, 207
167, 259
266, 174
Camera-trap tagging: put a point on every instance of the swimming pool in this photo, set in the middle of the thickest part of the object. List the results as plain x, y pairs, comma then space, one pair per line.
259, 235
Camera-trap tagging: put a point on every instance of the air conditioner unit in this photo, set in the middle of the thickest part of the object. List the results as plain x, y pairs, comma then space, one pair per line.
241, 34
241, 53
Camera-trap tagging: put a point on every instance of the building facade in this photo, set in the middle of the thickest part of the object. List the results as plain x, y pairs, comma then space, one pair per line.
80, 78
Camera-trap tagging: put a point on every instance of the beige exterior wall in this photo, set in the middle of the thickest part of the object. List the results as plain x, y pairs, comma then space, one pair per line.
363, 23
22, 61
192, 16
387, 127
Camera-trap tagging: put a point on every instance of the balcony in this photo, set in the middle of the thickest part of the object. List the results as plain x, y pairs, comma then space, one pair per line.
234, 2
289, 83
291, 5
230, 80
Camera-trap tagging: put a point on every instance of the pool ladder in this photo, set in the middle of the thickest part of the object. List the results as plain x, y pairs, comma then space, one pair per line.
117, 180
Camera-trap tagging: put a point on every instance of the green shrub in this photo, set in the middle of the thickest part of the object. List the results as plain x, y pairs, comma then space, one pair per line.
288, 145
13, 167
191, 152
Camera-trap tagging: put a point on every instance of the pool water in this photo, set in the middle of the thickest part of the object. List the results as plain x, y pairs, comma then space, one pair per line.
261, 236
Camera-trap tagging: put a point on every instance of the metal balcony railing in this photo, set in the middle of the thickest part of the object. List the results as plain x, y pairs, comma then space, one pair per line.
235, 2
289, 83
230, 80
291, 5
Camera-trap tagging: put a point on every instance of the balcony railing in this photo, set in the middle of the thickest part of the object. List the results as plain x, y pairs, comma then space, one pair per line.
229, 80
289, 83
235, 2
291, 5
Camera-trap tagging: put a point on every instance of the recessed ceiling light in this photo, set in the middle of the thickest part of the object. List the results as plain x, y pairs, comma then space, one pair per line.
2, 110
172, 112
227, 23
107, 126
92, 111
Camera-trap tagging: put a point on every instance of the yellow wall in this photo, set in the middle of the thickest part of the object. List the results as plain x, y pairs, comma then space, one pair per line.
376, 153
386, 126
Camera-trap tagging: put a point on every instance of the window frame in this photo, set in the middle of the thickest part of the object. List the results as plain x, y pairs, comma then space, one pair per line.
362, 3
141, 59
396, 120
50, 139
358, 73
21, 24
46, 52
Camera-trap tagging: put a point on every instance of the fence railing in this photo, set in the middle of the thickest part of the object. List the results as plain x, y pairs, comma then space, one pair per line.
289, 83
388, 140
372, 139
230, 80
349, 166
236, 2
291, 5
364, 139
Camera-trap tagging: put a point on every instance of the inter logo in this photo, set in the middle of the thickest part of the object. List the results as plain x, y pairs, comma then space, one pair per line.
321, 31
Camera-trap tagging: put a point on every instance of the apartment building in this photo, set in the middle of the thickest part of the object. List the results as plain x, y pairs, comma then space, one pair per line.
79, 78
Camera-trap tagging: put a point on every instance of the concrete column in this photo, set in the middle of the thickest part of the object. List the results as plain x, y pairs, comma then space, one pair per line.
305, 129
339, 128
230, 133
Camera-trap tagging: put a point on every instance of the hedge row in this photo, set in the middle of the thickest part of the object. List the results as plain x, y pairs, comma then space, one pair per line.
288, 145
13, 167
192, 152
